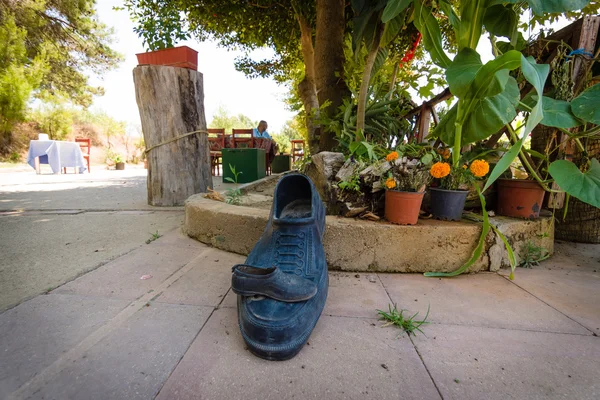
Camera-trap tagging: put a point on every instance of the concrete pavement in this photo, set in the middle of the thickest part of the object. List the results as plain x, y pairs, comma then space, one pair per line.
55, 227
108, 334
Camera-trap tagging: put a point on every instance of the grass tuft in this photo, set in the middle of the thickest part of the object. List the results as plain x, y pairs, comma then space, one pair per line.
407, 324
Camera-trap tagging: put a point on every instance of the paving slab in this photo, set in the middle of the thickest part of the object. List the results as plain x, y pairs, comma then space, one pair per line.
206, 283
37, 332
485, 299
575, 293
121, 277
134, 360
485, 363
346, 358
355, 295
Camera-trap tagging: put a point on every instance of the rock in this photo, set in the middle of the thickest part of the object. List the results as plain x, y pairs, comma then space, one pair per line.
322, 170
354, 211
377, 186
347, 170
375, 171
328, 163
370, 216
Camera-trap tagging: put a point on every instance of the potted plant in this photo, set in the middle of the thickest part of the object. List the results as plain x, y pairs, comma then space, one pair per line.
405, 182
453, 184
119, 162
182, 57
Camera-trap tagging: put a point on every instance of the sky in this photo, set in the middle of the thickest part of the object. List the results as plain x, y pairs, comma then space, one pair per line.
223, 85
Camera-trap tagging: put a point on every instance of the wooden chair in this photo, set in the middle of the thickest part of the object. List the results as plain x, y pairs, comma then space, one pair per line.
86, 146
216, 141
244, 137
297, 149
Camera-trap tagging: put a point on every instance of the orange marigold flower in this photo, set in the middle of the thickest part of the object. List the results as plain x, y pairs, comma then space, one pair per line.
392, 156
440, 169
446, 154
465, 166
480, 168
390, 183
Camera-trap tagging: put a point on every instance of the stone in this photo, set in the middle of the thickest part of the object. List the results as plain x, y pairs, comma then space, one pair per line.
328, 163
472, 363
206, 283
347, 170
485, 299
134, 360
342, 361
355, 245
350, 296
36, 333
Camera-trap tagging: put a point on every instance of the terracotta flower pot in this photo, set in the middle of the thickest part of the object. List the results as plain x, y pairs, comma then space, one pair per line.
183, 57
519, 198
403, 207
447, 205
120, 166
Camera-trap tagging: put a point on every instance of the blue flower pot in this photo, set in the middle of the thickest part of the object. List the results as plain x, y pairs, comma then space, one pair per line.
447, 205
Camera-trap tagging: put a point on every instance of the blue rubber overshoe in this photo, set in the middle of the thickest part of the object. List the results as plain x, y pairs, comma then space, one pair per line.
292, 242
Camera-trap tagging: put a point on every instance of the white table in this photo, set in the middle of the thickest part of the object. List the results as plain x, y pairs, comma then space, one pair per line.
59, 154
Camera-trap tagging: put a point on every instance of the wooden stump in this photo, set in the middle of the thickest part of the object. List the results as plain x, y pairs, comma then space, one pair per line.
171, 103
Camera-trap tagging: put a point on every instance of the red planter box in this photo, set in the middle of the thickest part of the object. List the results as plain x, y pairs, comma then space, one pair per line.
182, 57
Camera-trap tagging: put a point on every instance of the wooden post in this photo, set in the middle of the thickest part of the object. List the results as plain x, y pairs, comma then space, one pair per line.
171, 104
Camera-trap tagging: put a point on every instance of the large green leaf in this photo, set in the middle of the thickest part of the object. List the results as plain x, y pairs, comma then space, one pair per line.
382, 55
500, 20
393, 9
448, 10
462, 71
497, 68
536, 74
540, 7
520, 44
557, 113
471, 23
392, 29
587, 105
487, 116
584, 186
432, 36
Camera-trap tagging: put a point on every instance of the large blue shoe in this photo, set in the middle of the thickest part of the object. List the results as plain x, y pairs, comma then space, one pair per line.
292, 242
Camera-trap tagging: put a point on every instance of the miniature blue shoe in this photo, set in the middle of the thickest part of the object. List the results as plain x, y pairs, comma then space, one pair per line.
276, 329
247, 280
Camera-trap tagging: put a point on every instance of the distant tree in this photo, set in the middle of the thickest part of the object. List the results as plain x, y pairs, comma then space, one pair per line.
16, 80
222, 119
55, 118
305, 33
110, 127
49, 47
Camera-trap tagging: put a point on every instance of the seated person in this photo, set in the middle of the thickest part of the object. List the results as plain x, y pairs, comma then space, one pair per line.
261, 131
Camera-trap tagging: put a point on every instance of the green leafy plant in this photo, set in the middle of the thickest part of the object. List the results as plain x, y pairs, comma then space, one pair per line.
233, 196
301, 163
532, 254
396, 317
489, 99
350, 185
153, 237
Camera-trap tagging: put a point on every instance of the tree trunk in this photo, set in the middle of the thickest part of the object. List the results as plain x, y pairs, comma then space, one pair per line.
307, 87
329, 61
366, 78
171, 103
